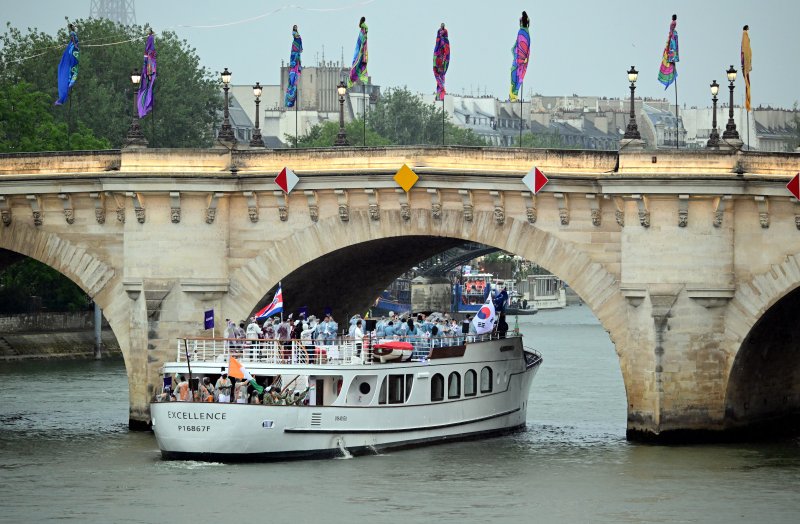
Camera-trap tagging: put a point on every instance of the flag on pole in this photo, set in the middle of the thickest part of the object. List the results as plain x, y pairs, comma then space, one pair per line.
484, 319
208, 319
747, 65
237, 370
295, 68
521, 53
68, 67
358, 71
144, 98
668, 72
441, 60
274, 307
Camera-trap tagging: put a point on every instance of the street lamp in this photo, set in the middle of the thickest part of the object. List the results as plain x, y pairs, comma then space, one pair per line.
713, 139
341, 138
257, 141
632, 131
135, 137
730, 129
226, 132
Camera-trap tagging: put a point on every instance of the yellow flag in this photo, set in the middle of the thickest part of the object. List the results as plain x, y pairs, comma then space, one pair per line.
747, 65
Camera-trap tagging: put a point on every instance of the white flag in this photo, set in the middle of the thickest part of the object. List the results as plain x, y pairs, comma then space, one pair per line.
484, 319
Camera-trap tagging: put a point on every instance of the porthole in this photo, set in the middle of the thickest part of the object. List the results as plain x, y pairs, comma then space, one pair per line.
364, 388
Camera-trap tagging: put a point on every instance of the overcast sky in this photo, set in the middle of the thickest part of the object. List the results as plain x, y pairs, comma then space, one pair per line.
578, 46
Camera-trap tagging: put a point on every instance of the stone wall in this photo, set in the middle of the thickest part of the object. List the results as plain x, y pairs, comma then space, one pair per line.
47, 322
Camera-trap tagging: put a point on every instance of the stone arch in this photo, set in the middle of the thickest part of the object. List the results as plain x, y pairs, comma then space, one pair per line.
597, 286
95, 277
763, 383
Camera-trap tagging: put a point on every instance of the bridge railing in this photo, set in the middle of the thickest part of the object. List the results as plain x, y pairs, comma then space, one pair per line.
339, 351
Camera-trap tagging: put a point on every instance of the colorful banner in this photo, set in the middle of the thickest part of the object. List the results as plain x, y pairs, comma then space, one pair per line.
358, 71
144, 99
441, 60
668, 72
295, 68
68, 67
521, 53
747, 65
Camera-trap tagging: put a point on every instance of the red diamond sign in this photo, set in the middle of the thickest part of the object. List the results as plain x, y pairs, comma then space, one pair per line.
794, 186
286, 180
535, 180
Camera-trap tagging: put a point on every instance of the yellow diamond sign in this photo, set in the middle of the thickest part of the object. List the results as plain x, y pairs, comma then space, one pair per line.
406, 178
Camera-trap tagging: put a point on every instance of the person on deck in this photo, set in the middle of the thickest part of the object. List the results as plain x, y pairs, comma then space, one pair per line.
223, 387
500, 301
182, 389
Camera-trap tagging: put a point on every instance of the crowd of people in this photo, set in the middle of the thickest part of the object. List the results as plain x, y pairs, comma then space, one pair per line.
178, 389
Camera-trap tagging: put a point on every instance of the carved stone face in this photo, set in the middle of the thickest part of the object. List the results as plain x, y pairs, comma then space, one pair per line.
718, 218
175, 214
683, 218
405, 211
436, 210
313, 212
6, 216
252, 212
531, 214
797, 221
344, 213
121, 214
620, 216
283, 213
644, 218
139, 214
37, 218
563, 216
69, 215
468, 212
596, 217
100, 215
499, 215
374, 212
763, 218
211, 214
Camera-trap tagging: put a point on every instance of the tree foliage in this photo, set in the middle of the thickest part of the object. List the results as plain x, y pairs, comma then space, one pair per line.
187, 97
29, 278
542, 141
399, 118
26, 124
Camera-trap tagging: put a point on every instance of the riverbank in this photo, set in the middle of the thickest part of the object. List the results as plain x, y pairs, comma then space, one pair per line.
51, 346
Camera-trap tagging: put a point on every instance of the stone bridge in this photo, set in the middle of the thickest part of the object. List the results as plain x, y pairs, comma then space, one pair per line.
691, 261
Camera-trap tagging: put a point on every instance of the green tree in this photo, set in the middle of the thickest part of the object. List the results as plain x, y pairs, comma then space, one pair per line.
324, 135
187, 97
405, 119
541, 141
26, 124
30, 278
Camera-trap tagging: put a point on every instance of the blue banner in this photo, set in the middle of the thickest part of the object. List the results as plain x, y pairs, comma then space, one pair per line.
209, 319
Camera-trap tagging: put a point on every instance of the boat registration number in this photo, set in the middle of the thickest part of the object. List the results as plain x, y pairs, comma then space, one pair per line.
194, 428
340, 418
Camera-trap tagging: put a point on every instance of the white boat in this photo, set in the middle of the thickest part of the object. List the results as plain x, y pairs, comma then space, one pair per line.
452, 388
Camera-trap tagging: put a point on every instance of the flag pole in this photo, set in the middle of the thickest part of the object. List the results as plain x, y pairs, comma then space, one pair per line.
296, 104
521, 93
677, 133
443, 119
69, 123
189, 365
364, 112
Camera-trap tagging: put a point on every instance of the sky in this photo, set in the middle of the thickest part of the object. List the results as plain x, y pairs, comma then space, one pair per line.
583, 47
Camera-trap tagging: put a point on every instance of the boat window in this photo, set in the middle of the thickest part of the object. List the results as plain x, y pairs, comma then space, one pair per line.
382, 394
396, 386
454, 385
486, 380
437, 388
470, 383
409, 382
364, 388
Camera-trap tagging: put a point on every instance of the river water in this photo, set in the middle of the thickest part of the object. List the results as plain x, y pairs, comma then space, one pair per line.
66, 454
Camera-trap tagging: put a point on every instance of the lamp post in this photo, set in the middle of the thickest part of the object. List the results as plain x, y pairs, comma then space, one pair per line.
632, 131
226, 132
713, 139
257, 141
730, 129
341, 138
135, 137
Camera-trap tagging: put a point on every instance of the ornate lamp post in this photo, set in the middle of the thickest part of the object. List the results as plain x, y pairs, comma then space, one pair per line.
257, 141
713, 139
632, 131
135, 137
341, 138
730, 129
226, 132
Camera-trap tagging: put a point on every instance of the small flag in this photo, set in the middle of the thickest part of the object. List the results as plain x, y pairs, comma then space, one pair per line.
144, 99
237, 370
747, 65
358, 71
208, 319
484, 319
669, 72
68, 67
274, 307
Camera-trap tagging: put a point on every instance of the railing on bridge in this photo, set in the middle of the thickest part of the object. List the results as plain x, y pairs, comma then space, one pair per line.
340, 351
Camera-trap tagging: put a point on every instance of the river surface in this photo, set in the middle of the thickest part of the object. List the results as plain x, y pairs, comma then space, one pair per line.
66, 454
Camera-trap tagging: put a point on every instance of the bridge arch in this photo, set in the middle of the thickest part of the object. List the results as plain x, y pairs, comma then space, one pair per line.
764, 376
596, 285
94, 276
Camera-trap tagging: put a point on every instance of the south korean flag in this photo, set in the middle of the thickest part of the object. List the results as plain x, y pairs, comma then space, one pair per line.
484, 320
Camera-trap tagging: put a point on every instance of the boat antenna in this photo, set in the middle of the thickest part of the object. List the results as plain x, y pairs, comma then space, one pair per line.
189, 365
